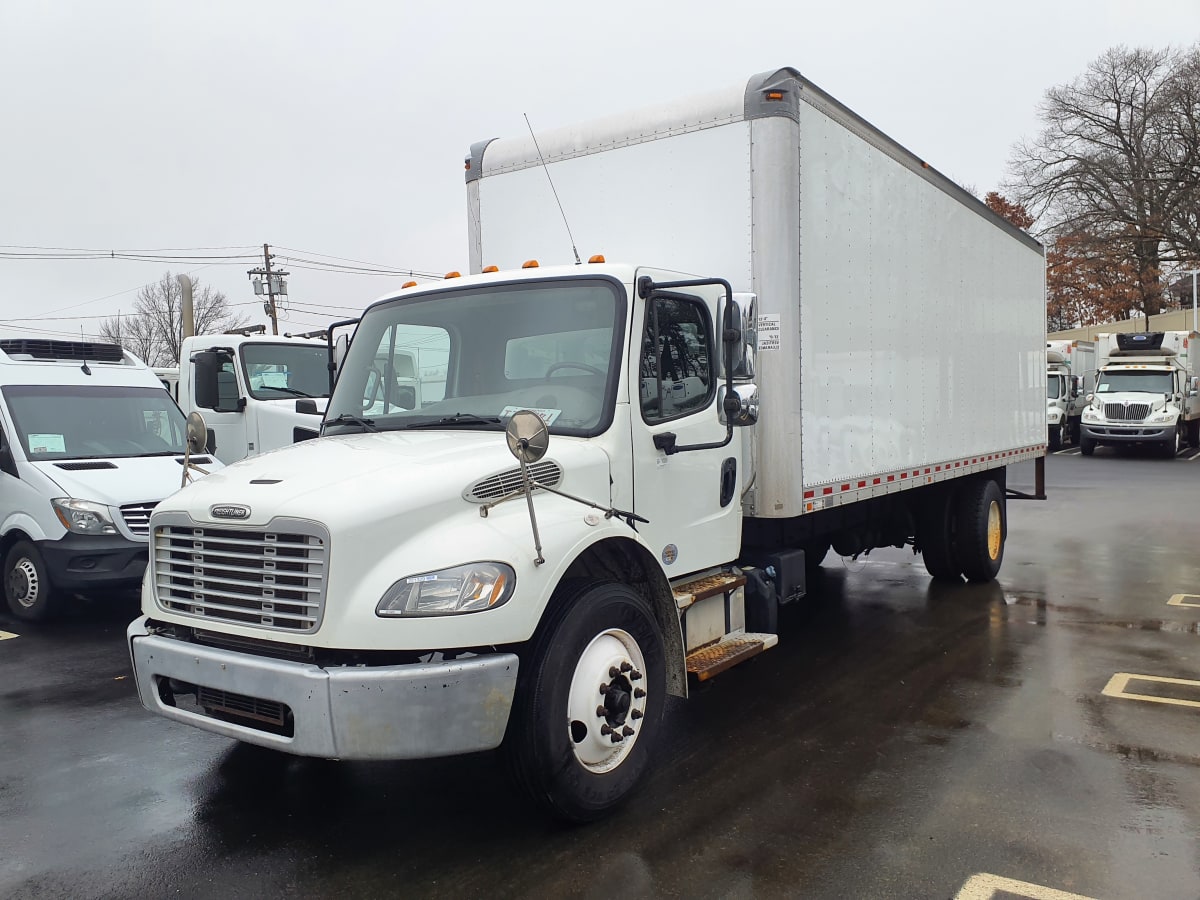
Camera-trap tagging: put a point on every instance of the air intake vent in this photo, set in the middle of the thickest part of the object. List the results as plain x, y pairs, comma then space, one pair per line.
85, 466
196, 460
71, 350
546, 472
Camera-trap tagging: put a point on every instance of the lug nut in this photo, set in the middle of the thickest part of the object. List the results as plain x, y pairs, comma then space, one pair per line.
635, 676
604, 688
613, 671
604, 729
635, 714
627, 731
616, 738
638, 693
601, 712
625, 667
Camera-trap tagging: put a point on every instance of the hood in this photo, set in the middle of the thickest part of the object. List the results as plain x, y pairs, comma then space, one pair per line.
345, 480
118, 481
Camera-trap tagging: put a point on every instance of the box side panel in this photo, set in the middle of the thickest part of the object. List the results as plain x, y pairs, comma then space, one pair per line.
681, 201
922, 323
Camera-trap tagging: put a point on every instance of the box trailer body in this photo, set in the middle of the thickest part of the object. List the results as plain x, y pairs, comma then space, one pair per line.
1147, 392
257, 392
90, 443
813, 340
1070, 377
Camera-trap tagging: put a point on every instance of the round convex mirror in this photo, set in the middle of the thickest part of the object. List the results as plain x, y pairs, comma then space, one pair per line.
527, 435
197, 433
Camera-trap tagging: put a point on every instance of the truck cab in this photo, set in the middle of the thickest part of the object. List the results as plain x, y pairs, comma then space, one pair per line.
257, 392
1070, 375
1146, 393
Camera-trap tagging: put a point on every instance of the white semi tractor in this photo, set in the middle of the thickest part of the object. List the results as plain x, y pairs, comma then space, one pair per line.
628, 467
1070, 377
1147, 392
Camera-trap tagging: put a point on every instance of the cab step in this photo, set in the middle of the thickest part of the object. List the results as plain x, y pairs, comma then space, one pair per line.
713, 659
709, 586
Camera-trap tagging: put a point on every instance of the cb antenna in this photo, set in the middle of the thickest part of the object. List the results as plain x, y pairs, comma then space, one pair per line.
546, 169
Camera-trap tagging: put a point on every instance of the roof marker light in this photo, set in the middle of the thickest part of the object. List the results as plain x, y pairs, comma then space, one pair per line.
454, 275
487, 269
529, 264
408, 284
598, 258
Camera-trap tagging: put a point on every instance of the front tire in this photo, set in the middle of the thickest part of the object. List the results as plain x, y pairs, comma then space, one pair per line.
1171, 447
27, 588
1054, 439
589, 701
1087, 445
982, 528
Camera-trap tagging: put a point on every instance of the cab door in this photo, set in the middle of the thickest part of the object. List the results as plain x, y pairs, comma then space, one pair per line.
691, 497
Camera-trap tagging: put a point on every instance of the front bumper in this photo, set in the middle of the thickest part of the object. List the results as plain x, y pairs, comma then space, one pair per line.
82, 562
1112, 434
360, 712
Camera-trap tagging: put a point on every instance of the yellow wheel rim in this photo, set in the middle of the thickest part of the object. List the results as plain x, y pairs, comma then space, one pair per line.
995, 533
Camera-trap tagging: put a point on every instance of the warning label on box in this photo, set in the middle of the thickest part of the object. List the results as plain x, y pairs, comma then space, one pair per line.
768, 331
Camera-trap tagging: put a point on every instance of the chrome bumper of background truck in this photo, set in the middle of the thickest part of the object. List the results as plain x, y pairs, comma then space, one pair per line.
353, 712
1113, 433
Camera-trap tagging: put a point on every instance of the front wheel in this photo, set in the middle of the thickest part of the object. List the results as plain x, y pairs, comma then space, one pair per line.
981, 530
1054, 438
1172, 445
27, 588
589, 701
1087, 446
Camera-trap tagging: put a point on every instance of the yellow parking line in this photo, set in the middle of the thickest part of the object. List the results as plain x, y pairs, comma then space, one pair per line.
1117, 685
984, 887
7, 635
1182, 600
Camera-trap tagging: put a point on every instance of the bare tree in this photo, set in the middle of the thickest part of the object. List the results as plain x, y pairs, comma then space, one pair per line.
1116, 162
153, 332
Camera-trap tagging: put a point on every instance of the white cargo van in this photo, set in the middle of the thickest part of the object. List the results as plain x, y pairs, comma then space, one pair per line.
89, 444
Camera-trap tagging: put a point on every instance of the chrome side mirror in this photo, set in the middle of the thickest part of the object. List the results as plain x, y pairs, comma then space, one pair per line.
747, 408
745, 316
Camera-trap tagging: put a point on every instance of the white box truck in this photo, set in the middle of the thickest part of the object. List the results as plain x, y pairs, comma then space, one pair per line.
89, 444
856, 357
257, 392
1070, 377
1147, 392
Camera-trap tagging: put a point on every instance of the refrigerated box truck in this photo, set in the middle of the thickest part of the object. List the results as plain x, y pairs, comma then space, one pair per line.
1070, 377
1147, 392
814, 339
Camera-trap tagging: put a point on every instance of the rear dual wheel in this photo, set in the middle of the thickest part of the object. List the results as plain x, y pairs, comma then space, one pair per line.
963, 531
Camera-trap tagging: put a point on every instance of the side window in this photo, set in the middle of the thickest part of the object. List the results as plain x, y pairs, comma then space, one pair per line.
677, 375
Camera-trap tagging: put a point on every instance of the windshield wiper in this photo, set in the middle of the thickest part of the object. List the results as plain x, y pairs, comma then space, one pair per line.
347, 419
459, 418
293, 391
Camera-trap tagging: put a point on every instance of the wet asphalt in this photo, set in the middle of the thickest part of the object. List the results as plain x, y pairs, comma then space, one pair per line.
906, 739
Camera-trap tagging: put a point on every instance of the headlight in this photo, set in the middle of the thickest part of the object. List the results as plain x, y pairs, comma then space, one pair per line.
1091, 414
462, 589
1163, 417
84, 516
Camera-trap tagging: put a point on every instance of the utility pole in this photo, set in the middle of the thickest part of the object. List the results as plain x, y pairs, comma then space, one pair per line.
271, 283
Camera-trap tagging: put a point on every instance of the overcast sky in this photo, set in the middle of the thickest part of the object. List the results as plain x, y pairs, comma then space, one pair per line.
340, 128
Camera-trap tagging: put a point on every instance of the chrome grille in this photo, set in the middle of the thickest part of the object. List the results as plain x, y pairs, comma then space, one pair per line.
272, 577
1126, 412
546, 472
137, 517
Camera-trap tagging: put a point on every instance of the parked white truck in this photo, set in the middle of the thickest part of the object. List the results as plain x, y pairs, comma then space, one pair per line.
89, 444
1147, 392
1070, 377
403, 588
257, 392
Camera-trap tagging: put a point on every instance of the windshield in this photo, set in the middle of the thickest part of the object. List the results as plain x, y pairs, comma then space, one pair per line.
1146, 382
470, 358
286, 370
87, 422
1054, 387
